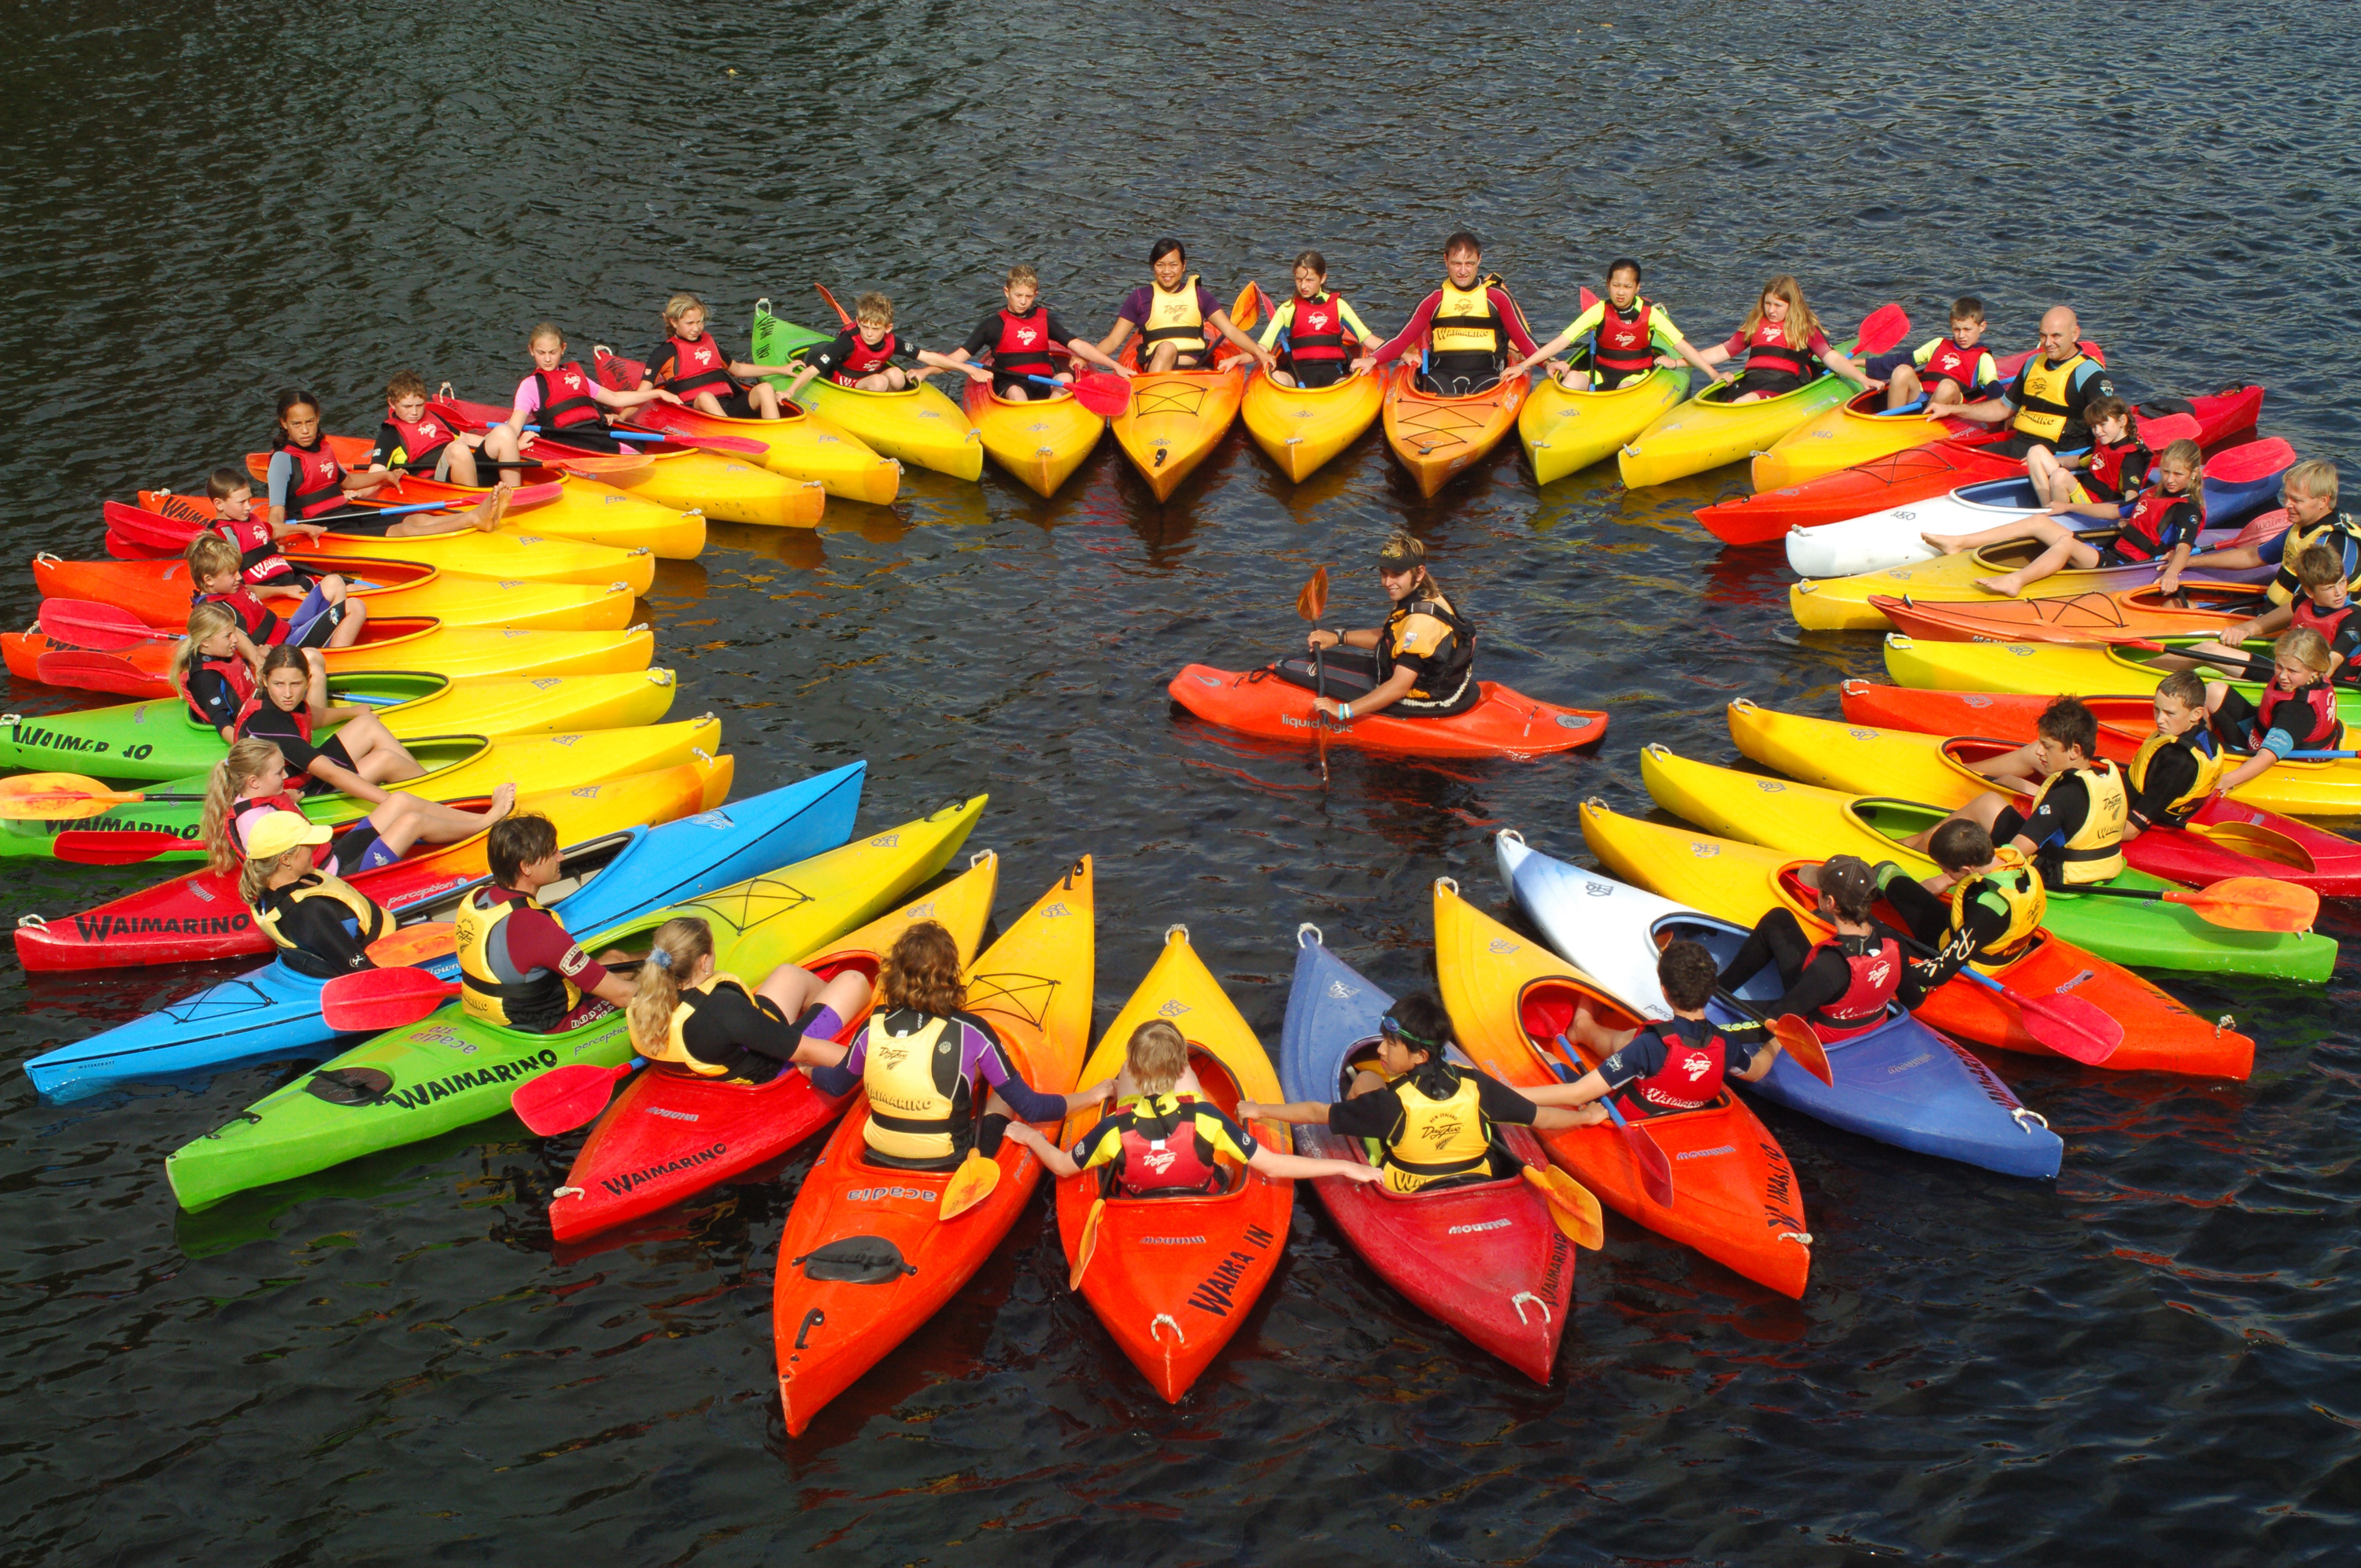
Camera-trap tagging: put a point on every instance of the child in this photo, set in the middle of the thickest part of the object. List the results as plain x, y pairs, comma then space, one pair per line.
2113, 471
1178, 320
686, 1011
564, 400
2179, 768
1322, 331
1463, 331
213, 668
1023, 339
308, 482
2297, 713
410, 442
252, 781
291, 703
2326, 606
1664, 1069
326, 618
1984, 906
688, 364
320, 924
2308, 491
1945, 370
256, 538
2162, 526
1158, 1141
1626, 334
2073, 831
1780, 338
862, 357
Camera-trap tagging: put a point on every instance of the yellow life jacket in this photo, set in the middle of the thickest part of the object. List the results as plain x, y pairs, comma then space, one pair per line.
2284, 585
1425, 625
1464, 322
2095, 852
2042, 409
1439, 1139
1173, 318
2014, 884
2212, 764
523, 1001
671, 1047
919, 1102
372, 921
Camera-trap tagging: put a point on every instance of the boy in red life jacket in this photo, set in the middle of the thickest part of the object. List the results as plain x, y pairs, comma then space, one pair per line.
862, 357
1945, 370
2073, 831
2326, 604
1628, 333
1162, 1141
256, 537
1679, 1064
690, 364
1024, 338
2297, 712
324, 619
1322, 330
411, 441
565, 400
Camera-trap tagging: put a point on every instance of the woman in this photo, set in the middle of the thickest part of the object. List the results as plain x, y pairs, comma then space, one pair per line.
292, 703
252, 781
1780, 338
1421, 662
320, 924
686, 1011
1174, 316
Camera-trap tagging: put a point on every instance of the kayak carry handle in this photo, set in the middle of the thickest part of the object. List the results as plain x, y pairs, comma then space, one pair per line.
981, 856
1317, 939
1509, 834
1176, 931
1450, 882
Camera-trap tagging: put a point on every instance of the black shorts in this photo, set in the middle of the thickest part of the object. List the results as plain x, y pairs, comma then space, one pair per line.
352, 848
1317, 372
1441, 385
2007, 825
1020, 385
319, 629
2019, 444
1768, 383
739, 404
333, 748
1882, 367
587, 438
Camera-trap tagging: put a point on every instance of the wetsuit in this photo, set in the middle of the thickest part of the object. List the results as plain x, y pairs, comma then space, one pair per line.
519, 968
689, 370
727, 1031
1624, 343
2173, 777
1435, 1126
2159, 522
1424, 634
1181, 316
1677, 1065
922, 1074
1163, 1146
848, 358
1990, 920
1839, 985
311, 624
2340, 530
2072, 845
1942, 359
1464, 334
1774, 365
308, 482
321, 926
263, 719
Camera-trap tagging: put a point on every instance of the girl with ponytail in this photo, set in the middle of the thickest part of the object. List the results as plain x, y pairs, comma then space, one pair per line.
213, 668
252, 781
686, 1011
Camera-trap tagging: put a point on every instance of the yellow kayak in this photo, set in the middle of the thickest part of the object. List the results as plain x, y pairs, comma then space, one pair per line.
722, 486
1565, 432
796, 443
1710, 431
1176, 418
1041, 441
1855, 431
1303, 427
1842, 604
919, 424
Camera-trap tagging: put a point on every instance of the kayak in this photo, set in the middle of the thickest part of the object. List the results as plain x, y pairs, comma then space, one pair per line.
1842, 604
2124, 614
835, 1309
157, 593
1041, 441
160, 739
1743, 881
1857, 431
670, 1134
1177, 417
2049, 668
1483, 1257
458, 767
162, 524
1942, 772
403, 642
449, 1069
2238, 484
1899, 1083
1710, 431
920, 424
1173, 1277
1805, 820
2256, 819
795, 443
1565, 431
1436, 437
1504, 723
1734, 1198
615, 870
1300, 428
199, 917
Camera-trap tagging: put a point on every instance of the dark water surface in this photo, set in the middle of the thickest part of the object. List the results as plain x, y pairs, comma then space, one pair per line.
2152, 1360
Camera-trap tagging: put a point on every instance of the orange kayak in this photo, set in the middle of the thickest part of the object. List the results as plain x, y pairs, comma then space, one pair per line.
1176, 418
1734, 1194
2125, 615
157, 593
831, 1317
1437, 437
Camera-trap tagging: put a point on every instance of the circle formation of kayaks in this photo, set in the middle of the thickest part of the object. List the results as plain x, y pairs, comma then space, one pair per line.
1040, 440
1300, 428
1565, 432
1503, 724
1435, 437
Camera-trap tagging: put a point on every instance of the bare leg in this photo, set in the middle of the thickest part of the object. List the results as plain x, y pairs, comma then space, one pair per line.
377, 755
1281, 378
2051, 483
1166, 356
1593, 1035
463, 464
796, 990
2064, 548
404, 819
2027, 527
500, 442
1946, 395
1904, 387
1984, 811
767, 399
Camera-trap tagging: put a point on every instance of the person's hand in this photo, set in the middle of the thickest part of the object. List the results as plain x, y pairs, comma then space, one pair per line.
1322, 639
1364, 364
1722, 377
525, 439
977, 373
1102, 1090
1364, 1174
2238, 633
314, 529
1126, 371
1250, 1111
1873, 385
664, 396
1331, 707
2169, 583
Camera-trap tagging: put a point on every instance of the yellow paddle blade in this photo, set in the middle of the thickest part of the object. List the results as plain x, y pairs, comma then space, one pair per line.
971, 1184
56, 798
413, 944
2259, 843
2252, 903
1571, 1205
1089, 1244
1312, 602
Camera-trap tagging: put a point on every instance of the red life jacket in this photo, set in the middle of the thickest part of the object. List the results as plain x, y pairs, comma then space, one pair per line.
258, 552
421, 441
1317, 333
1877, 976
697, 367
1023, 348
257, 702
2327, 623
1767, 348
2157, 524
1694, 1058
861, 359
2309, 716
2109, 462
566, 399
1951, 363
1181, 1163
1623, 347
232, 669
256, 619
319, 480
283, 801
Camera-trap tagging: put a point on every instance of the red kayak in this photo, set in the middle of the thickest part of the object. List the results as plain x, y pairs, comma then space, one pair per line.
1504, 724
1919, 474
2296, 852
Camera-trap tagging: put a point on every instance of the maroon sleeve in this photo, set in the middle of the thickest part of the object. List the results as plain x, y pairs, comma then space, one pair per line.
1819, 343
1735, 343
1413, 331
537, 941
1208, 303
1515, 318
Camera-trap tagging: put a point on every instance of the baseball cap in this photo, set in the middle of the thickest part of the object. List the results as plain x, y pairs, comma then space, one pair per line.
280, 831
1848, 880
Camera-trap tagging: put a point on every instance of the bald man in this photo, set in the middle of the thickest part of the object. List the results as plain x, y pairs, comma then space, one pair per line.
2044, 405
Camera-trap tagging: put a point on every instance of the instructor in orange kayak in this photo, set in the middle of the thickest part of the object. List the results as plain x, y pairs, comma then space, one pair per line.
1420, 664
1463, 329
1178, 318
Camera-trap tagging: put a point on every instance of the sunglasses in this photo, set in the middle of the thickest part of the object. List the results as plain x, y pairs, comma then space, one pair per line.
1391, 1026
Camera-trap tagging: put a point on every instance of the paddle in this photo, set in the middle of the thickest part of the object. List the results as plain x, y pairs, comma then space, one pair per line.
1103, 393
2067, 1024
1572, 1207
564, 1098
1880, 330
842, 314
2239, 902
87, 846
604, 466
94, 672
971, 1184
59, 798
1311, 604
414, 944
1794, 1035
1088, 1245
377, 998
96, 626
2160, 433
736, 445
1655, 1170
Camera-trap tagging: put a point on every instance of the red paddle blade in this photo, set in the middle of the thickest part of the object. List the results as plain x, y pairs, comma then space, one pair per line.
2255, 460
94, 672
2252, 903
564, 1098
2160, 433
1105, 395
1312, 602
2072, 1027
137, 525
737, 445
1882, 329
380, 999
542, 494
414, 944
1655, 1170
85, 847
1089, 1244
101, 626
1802, 1045
1588, 299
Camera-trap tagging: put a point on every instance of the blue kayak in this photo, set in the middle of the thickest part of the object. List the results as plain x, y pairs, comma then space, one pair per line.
273, 1014
1901, 1084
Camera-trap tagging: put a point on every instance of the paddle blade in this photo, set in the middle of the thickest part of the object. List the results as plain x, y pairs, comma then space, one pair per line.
840, 313
377, 998
2251, 903
412, 944
1572, 1208
1588, 299
1881, 330
56, 798
737, 445
2072, 1027
969, 1185
1105, 395
1089, 1245
2255, 460
1312, 602
622, 465
99, 626
564, 1098
537, 495
85, 847
1800, 1043
2160, 433
1655, 1170
94, 672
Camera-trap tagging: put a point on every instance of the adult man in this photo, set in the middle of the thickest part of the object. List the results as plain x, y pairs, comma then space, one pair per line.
2046, 402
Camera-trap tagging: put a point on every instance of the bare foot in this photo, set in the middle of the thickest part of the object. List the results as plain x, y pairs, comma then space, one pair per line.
503, 802
495, 507
1942, 543
2007, 588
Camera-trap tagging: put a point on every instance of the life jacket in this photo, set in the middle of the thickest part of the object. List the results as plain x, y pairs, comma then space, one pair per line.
256, 619
256, 701
257, 550
1466, 321
864, 360
566, 399
319, 480
1419, 624
2152, 531
2095, 851
489, 987
417, 444
1316, 333
232, 669
270, 909
2309, 716
1767, 348
920, 1103
1623, 347
246, 809
2340, 530
1023, 346
2212, 764
1172, 318
2109, 463
1876, 968
698, 367
2330, 625
1440, 1139
2043, 411
1951, 363
1163, 1154
2017, 885
671, 1047
1694, 1059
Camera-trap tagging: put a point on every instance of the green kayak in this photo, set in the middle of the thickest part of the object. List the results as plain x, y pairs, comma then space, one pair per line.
160, 739
425, 1079
921, 426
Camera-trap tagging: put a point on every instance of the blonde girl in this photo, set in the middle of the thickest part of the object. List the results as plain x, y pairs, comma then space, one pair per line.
252, 781
564, 400
686, 1011
690, 364
1780, 338
320, 924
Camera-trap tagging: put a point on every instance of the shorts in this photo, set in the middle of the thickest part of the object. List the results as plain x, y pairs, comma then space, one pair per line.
739, 404
1441, 385
315, 621
2019, 444
1768, 383
1021, 386
1318, 372
360, 851
1882, 367
592, 437
333, 748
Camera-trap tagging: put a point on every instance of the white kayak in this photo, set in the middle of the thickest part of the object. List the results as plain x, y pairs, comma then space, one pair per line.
1884, 539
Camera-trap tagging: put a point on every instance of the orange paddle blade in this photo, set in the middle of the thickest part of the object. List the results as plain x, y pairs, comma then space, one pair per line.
379, 998
565, 1097
969, 1185
414, 944
1796, 1036
56, 798
1312, 602
1089, 1245
2252, 903
1572, 1207
841, 313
